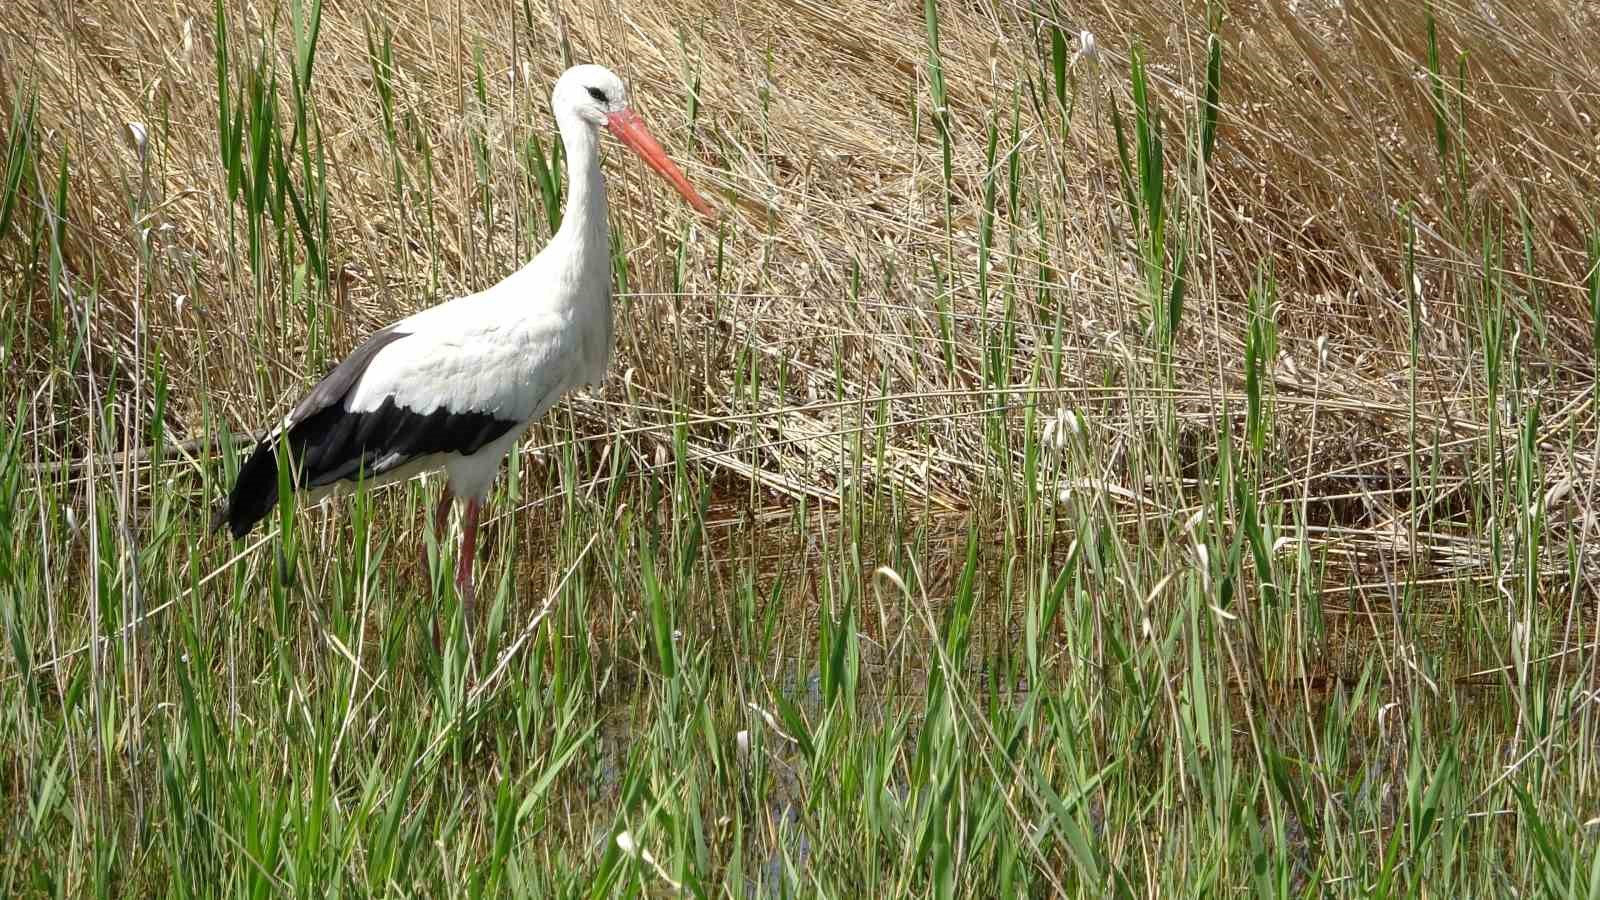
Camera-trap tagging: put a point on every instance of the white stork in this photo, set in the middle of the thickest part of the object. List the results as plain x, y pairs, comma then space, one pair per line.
456, 385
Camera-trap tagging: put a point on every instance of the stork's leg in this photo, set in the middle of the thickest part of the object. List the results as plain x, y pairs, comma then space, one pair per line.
441, 521
469, 552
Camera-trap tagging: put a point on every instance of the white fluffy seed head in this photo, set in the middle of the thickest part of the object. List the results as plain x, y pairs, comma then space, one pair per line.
1088, 50
1061, 427
138, 136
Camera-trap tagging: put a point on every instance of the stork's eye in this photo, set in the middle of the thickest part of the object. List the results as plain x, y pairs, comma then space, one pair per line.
598, 94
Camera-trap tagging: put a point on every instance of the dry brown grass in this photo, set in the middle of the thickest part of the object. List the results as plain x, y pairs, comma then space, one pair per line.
826, 158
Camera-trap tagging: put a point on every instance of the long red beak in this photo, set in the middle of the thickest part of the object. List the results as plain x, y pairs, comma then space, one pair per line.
631, 130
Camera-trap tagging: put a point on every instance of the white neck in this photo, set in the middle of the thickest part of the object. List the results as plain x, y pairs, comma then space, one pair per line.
584, 219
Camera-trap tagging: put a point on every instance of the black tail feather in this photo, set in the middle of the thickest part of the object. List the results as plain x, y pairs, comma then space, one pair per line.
254, 493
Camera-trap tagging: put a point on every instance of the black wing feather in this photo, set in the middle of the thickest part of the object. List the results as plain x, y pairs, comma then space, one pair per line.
330, 443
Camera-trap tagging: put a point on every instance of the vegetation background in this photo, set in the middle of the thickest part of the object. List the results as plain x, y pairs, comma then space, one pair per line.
1105, 449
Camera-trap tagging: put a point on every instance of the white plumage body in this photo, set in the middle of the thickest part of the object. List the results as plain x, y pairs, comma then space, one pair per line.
509, 352
512, 351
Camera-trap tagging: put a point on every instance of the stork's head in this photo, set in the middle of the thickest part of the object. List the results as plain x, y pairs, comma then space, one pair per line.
595, 93
597, 96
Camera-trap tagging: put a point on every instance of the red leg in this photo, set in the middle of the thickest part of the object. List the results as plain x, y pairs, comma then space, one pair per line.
469, 552
441, 521
441, 516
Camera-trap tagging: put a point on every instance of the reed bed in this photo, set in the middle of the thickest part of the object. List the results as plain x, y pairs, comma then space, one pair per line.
1100, 451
